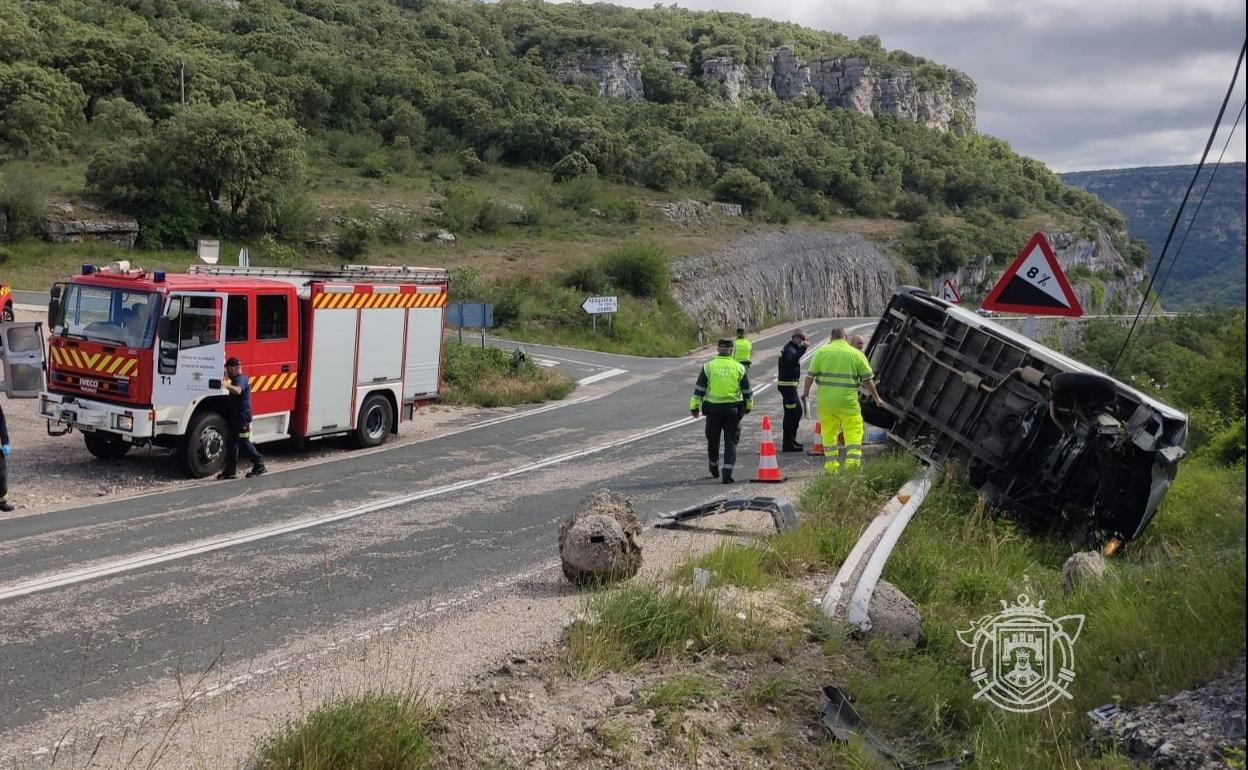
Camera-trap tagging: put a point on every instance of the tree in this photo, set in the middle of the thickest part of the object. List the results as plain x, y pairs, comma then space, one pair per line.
571, 166
230, 150
738, 185
40, 109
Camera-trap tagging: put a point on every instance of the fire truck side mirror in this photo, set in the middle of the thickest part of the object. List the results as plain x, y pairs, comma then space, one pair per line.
54, 305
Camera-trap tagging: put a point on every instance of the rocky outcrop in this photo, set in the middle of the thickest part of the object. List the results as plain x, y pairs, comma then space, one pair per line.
851, 83
762, 279
691, 213
618, 77
64, 223
730, 76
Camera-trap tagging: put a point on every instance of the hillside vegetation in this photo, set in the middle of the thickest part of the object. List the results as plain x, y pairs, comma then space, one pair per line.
323, 130
1209, 268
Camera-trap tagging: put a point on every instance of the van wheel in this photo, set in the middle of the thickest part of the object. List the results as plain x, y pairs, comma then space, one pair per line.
1084, 387
375, 423
202, 449
105, 447
913, 304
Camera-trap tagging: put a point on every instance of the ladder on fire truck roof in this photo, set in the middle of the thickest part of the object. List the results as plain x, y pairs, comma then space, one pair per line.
371, 273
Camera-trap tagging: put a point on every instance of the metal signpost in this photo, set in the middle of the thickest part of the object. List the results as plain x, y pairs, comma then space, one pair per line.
600, 305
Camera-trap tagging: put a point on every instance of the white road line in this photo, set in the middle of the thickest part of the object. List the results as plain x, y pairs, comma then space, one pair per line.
600, 376
131, 563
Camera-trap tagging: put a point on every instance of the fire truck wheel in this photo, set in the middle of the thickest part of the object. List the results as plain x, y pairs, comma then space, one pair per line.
376, 420
105, 447
202, 449
7, 315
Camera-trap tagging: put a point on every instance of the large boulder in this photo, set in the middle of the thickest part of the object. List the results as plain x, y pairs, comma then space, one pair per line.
601, 541
894, 617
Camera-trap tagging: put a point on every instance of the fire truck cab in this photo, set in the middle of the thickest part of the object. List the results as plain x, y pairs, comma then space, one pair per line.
138, 358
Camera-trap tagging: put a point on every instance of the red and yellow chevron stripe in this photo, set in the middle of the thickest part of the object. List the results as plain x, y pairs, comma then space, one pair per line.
96, 363
369, 301
267, 383
5, 291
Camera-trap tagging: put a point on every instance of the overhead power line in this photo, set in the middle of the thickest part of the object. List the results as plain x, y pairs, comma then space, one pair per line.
1161, 287
1152, 279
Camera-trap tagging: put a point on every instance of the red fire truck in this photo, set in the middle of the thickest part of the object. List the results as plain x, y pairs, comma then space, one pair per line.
137, 357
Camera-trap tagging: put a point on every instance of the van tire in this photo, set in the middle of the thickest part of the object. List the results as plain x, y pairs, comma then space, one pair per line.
375, 422
932, 315
105, 447
1083, 387
202, 450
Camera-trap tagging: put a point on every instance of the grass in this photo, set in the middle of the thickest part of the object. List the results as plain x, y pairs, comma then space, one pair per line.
1170, 616
640, 622
492, 377
369, 732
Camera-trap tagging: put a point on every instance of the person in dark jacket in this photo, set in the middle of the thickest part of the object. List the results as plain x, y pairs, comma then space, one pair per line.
790, 377
239, 418
5, 505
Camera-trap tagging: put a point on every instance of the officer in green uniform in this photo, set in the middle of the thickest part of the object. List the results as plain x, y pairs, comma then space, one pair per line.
723, 394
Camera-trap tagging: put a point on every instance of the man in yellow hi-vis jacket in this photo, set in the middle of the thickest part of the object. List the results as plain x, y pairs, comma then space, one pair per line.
724, 395
839, 369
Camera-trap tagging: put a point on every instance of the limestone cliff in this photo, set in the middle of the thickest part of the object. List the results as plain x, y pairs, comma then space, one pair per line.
761, 279
947, 104
617, 77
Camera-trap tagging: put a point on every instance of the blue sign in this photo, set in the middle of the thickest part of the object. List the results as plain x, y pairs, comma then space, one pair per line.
470, 315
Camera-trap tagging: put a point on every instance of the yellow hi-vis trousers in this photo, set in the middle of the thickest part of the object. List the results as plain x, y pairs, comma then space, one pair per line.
833, 421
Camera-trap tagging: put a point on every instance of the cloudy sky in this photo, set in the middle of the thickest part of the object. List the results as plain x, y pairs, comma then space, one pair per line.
1078, 84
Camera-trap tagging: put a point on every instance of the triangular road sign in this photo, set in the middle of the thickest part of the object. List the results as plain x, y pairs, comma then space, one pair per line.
949, 293
1034, 284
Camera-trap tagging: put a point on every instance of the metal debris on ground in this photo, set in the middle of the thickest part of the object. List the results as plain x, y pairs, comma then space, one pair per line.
783, 514
844, 722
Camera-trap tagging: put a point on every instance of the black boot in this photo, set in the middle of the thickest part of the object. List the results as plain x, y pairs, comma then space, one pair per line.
256, 470
727, 479
714, 470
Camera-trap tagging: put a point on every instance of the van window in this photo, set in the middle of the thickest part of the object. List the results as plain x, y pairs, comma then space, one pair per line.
271, 317
236, 319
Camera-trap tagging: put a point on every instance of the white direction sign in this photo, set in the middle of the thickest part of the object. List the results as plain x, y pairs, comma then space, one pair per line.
596, 305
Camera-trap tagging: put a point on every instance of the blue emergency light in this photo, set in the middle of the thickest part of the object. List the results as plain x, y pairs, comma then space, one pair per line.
159, 276
88, 269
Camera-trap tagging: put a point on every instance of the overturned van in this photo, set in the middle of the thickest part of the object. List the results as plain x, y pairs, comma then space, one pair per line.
1045, 437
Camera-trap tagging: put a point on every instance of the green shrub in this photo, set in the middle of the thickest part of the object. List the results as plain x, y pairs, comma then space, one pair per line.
738, 185
587, 278
509, 305
465, 209
471, 164
492, 377
640, 270
287, 212
447, 166
358, 229
271, 252
375, 165
466, 285
571, 166
375, 731
22, 203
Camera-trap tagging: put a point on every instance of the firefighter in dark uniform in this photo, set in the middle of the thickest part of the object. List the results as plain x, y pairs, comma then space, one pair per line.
239, 417
790, 377
5, 505
723, 394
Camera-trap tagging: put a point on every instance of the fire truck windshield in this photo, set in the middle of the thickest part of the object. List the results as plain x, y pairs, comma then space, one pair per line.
113, 316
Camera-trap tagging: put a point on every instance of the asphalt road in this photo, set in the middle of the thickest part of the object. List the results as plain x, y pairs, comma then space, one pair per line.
101, 599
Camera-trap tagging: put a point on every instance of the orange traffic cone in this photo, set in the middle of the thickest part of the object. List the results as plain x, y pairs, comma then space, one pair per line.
816, 446
768, 468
